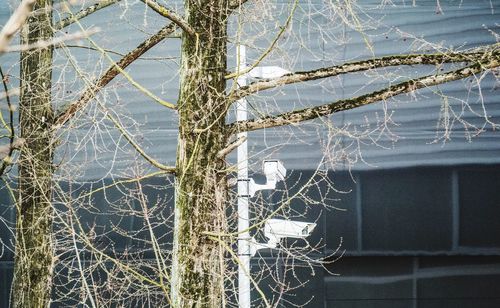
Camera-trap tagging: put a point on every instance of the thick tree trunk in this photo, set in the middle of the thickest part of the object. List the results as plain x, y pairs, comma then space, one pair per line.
34, 255
201, 188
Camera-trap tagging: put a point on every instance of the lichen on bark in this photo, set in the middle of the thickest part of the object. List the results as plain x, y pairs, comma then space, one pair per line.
201, 189
33, 249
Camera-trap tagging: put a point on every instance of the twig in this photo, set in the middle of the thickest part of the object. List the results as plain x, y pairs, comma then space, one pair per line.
234, 4
13, 144
83, 13
231, 146
6, 150
110, 74
10, 93
269, 49
152, 161
53, 42
15, 22
174, 17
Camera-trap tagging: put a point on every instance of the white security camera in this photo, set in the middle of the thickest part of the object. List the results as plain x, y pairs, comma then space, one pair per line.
268, 72
276, 229
274, 172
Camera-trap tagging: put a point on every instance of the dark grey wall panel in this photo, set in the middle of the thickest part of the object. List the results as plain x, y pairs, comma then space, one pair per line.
6, 274
365, 280
365, 291
414, 282
453, 303
342, 219
370, 279
460, 287
480, 207
405, 210
313, 292
7, 223
397, 303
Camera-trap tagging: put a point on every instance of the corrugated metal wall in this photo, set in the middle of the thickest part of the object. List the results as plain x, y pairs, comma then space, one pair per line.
412, 137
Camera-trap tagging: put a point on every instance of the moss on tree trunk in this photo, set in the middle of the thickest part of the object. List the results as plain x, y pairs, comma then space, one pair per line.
34, 254
201, 188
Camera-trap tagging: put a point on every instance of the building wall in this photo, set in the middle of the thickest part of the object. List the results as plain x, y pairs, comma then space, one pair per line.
419, 237
419, 219
412, 237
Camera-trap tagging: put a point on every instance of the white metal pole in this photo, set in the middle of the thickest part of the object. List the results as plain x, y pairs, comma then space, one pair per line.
243, 216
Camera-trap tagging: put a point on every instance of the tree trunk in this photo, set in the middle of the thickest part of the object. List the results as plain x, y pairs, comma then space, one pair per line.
201, 188
34, 253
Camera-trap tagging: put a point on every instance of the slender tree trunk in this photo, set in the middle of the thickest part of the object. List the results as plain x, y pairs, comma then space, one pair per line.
34, 253
201, 188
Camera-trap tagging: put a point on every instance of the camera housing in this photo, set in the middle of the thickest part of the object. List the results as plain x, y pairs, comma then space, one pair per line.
274, 172
276, 229
267, 72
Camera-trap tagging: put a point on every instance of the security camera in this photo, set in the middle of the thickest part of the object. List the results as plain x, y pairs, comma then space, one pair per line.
274, 170
268, 72
276, 229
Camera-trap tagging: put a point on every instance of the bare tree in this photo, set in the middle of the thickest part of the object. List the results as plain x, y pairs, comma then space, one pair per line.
34, 257
199, 270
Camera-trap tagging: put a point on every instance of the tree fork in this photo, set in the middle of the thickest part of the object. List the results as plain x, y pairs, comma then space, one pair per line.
201, 188
33, 250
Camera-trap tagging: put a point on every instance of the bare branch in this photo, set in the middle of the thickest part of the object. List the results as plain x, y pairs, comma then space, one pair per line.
152, 161
358, 66
234, 4
15, 22
306, 114
83, 13
111, 73
52, 42
174, 17
230, 147
13, 92
270, 48
7, 150
110, 51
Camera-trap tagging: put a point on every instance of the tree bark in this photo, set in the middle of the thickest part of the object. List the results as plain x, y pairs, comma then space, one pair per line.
201, 188
301, 115
34, 252
475, 56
